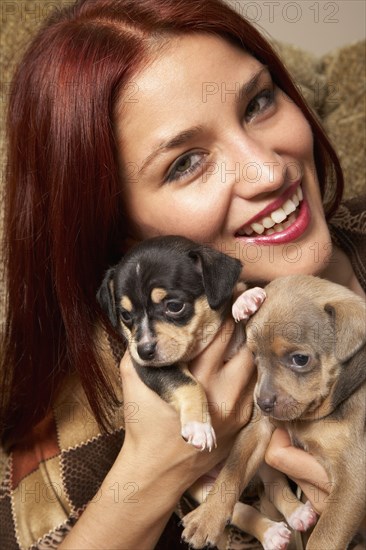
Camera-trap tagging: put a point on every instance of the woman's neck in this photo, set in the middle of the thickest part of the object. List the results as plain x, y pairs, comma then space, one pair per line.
340, 270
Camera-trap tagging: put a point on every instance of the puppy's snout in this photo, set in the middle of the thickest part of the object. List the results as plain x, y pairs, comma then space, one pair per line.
267, 402
146, 350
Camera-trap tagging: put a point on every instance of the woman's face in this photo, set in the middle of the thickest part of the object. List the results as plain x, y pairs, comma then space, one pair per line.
210, 149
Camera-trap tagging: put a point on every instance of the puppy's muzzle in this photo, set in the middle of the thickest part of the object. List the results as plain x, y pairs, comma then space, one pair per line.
146, 350
280, 406
267, 403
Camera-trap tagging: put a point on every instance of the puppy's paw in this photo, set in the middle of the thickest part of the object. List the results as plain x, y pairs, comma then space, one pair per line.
199, 434
276, 537
303, 517
202, 527
248, 303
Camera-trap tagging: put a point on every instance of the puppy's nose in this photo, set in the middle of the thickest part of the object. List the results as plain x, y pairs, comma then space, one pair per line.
146, 350
267, 403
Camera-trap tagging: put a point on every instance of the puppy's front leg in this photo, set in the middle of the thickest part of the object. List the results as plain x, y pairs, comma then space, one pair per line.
299, 516
179, 388
191, 403
273, 535
204, 525
346, 505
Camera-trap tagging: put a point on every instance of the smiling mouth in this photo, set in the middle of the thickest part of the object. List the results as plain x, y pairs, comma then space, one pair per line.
278, 220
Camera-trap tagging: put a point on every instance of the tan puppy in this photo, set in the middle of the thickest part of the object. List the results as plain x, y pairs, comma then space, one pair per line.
308, 340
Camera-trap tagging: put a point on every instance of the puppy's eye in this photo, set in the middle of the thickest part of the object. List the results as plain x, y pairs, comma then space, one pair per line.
300, 360
126, 316
174, 307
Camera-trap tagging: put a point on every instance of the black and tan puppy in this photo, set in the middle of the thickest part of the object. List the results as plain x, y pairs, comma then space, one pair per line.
169, 297
309, 344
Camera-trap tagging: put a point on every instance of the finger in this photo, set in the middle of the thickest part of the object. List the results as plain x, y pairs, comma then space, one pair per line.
295, 462
239, 369
142, 405
232, 387
126, 366
280, 438
211, 359
133, 387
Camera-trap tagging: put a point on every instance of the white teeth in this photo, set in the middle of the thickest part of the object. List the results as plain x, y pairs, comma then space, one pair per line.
278, 215
246, 232
273, 223
289, 207
268, 222
258, 228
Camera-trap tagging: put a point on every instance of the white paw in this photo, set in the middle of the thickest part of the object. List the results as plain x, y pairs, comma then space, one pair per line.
248, 303
200, 435
276, 537
303, 517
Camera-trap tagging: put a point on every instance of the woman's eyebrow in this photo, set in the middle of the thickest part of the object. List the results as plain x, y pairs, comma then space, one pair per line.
188, 134
249, 87
176, 141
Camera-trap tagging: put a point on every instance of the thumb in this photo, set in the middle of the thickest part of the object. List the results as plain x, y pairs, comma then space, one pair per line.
133, 387
142, 407
135, 392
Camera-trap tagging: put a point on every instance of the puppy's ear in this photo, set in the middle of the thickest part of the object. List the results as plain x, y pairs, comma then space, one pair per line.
348, 317
219, 273
105, 297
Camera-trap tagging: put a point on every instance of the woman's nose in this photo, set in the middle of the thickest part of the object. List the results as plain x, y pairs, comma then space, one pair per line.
260, 168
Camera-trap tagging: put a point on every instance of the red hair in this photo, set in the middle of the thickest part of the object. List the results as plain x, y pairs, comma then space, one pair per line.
64, 203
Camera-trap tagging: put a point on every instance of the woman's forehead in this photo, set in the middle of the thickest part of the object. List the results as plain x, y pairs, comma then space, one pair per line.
194, 71
188, 60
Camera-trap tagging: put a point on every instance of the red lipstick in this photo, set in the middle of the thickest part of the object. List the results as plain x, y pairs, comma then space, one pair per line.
292, 233
274, 205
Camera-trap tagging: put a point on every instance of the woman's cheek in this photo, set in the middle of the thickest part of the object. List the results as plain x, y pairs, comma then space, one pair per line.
196, 216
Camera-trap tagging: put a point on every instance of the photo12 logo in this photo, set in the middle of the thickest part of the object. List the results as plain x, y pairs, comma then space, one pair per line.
290, 12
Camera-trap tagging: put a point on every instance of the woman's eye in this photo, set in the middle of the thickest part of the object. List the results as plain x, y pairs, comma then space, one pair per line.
184, 166
300, 360
259, 103
174, 307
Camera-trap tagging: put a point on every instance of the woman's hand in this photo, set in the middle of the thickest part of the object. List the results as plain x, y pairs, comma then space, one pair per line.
155, 465
153, 427
228, 384
300, 466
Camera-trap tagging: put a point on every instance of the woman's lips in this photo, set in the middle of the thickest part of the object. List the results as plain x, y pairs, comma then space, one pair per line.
289, 193
281, 222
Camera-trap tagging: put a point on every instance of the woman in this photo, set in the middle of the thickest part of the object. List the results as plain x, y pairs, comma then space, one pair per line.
123, 124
